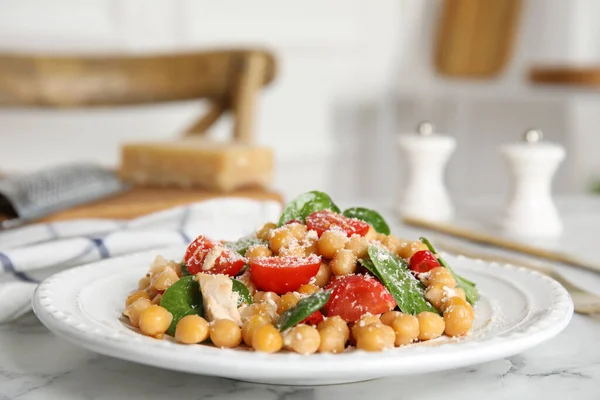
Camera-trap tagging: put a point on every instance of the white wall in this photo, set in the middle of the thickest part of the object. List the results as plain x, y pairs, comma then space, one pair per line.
353, 74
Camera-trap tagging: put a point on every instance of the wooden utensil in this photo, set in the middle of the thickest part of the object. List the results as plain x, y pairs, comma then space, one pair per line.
475, 37
584, 301
485, 238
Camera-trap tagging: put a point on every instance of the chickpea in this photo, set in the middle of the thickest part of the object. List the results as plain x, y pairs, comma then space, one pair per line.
266, 297
343, 263
140, 294
332, 340
163, 280
303, 339
280, 238
439, 275
359, 245
330, 242
436, 295
406, 327
297, 230
286, 302
294, 250
389, 317
155, 320
258, 251
457, 301
323, 276
265, 231
225, 333
336, 322
459, 292
410, 249
156, 300
144, 283
310, 246
308, 288
267, 309
375, 337
364, 321
191, 329
431, 325
371, 234
266, 338
392, 243
250, 326
134, 310
458, 320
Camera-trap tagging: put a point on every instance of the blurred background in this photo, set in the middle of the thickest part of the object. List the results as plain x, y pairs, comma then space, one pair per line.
351, 75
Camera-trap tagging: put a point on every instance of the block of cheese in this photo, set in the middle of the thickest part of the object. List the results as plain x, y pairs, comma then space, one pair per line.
198, 163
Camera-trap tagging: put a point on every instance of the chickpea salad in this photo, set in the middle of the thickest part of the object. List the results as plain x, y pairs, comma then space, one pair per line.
318, 280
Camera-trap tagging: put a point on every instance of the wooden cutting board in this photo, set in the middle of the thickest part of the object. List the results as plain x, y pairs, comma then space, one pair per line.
475, 38
141, 201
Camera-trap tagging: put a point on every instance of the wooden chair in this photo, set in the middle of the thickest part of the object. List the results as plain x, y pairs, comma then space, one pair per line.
230, 79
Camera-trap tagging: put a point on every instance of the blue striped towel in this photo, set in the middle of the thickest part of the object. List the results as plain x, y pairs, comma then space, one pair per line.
31, 253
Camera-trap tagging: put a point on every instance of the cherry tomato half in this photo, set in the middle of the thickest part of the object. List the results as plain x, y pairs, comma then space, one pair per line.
283, 274
228, 262
313, 319
355, 295
321, 221
423, 261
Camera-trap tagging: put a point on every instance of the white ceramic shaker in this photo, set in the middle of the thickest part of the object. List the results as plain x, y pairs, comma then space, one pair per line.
530, 211
426, 154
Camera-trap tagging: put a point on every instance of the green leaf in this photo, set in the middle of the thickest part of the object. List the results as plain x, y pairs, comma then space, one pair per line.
303, 310
397, 278
306, 204
371, 217
471, 292
241, 245
181, 299
242, 290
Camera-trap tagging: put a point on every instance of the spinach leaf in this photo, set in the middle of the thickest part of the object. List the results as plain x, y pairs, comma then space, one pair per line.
396, 277
306, 204
303, 310
242, 290
471, 292
371, 217
181, 299
241, 245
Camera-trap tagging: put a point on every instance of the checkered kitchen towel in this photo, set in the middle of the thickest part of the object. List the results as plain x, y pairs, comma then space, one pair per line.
31, 253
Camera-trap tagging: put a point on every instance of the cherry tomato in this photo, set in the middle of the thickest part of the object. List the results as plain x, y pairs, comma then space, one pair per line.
324, 220
355, 295
293, 221
283, 274
313, 319
423, 261
228, 262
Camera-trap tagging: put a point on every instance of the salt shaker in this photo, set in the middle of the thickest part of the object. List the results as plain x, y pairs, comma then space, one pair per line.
530, 211
426, 154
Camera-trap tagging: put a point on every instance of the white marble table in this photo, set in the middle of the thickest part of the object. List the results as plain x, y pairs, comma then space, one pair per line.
35, 364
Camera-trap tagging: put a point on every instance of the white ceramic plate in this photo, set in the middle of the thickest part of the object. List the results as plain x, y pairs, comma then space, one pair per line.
518, 310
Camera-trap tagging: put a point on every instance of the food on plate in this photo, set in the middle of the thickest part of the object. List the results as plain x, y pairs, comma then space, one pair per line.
319, 280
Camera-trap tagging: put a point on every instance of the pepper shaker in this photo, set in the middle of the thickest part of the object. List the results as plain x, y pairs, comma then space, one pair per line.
426, 154
530, 211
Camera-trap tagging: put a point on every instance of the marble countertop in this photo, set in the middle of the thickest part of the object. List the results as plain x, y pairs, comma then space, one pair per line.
35, 364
